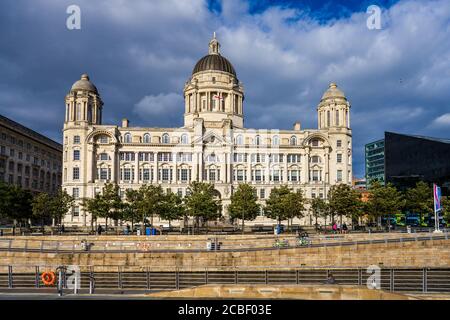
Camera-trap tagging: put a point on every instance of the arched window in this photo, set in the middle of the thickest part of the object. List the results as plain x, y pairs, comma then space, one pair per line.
258, 140
184, 139
276, 141
127, 138
165, 138
239, 140
315, 159
293, 141
315, 142
146, 138
102, 138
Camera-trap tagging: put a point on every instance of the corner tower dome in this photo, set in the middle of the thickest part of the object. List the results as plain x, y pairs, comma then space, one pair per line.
214, 60
333, 92
84, 84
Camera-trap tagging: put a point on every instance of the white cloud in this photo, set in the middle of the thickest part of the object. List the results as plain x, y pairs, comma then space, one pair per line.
442, 121
161, 104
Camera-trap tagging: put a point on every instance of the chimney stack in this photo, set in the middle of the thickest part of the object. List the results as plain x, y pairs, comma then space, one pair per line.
125, 123
297, 126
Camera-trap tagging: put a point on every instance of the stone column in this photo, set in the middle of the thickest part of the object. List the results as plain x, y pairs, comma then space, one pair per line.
136, 167
285, 168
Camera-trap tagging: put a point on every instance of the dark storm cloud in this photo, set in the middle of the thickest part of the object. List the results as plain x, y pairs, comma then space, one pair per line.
140, 53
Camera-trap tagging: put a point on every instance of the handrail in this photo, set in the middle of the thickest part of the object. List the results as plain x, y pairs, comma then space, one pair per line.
117, 246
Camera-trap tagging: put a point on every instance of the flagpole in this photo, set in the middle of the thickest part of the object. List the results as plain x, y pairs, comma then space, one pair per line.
436, 200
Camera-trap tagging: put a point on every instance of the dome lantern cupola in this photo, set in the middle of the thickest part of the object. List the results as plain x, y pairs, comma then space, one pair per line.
333, 109
83, 103
213, 92
214, 61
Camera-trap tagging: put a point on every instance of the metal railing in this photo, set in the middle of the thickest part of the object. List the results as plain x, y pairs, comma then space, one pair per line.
149, 245
414, 280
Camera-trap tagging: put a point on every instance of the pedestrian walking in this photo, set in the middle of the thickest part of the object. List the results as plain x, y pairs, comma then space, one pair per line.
344, 228
99, 230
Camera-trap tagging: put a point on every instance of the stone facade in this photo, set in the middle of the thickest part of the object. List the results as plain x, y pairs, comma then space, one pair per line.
29, 159
212, 146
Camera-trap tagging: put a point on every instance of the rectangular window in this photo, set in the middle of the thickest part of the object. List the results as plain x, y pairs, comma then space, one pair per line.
339, 158
294, 158
240, 175
276, 175
165, 175
165, 156
293, 175
212, 175
76, 154
315, 175
146, 174
76, 211
258, 175
339, 175
75, 193
339, 143
104, 156
76, 139
103, 173
184, 175
262, 193
127, 174
76, 173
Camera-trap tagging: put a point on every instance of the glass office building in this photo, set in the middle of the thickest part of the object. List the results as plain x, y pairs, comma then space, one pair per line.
374, 161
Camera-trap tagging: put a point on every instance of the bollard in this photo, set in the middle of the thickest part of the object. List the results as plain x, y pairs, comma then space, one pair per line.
75, 287
60, 293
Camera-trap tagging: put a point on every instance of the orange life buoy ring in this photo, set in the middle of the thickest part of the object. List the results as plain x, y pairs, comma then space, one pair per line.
48, 278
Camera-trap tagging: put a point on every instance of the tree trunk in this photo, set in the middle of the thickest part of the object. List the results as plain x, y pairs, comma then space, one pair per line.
242, 223
106, 224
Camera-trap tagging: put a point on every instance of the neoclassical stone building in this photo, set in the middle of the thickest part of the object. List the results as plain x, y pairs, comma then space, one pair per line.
212, 146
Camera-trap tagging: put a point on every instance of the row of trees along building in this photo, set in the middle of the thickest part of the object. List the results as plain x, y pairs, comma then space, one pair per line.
382, 201
22, 207
202, 204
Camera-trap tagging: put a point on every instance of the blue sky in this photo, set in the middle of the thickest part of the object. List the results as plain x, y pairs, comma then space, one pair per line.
140, 53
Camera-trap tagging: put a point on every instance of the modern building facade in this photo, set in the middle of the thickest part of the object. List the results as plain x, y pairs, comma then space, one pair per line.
212, 146
403, 160
374, 160
410, 159
29, 159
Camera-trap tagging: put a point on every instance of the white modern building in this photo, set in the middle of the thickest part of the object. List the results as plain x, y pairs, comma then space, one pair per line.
212, 146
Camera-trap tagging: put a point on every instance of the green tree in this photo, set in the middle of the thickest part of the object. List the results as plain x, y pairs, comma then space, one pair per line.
111, 203
344, 201
41, 207
94, 206
60, 204
15, 203
244, 204
202, 202
383, 201
276, 204
319, 208
445, 203
172, 207
294, 205
129, 207
420, 199
149, 201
